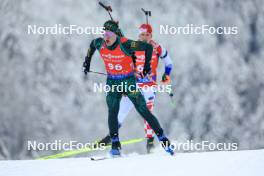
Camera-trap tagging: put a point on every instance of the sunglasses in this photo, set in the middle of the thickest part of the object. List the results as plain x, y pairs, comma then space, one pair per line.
108, 34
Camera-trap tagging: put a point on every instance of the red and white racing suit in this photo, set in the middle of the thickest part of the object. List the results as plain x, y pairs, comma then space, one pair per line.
126, 105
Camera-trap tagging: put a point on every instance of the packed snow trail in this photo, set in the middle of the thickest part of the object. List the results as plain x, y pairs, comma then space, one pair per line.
236, 163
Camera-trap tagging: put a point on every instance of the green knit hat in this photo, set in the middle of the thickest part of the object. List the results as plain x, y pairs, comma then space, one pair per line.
111, 25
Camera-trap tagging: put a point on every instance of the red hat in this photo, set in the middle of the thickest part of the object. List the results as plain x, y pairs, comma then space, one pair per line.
145, 28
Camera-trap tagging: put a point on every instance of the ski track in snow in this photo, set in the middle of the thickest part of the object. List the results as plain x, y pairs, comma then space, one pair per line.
235, 163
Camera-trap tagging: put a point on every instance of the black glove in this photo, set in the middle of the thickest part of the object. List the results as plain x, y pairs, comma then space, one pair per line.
86, 65
146, 71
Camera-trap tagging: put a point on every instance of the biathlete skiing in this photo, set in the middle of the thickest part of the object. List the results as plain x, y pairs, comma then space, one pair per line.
145, 83
159, 53
117, 53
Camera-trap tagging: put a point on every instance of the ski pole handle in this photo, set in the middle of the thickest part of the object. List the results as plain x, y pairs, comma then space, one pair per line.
147, 14
108, 9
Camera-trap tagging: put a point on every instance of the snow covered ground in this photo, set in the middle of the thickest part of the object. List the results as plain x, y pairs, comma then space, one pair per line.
239, 163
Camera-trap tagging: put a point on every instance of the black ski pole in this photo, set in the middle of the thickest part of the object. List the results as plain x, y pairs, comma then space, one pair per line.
99, 73
108, 9
147, 14
171, 97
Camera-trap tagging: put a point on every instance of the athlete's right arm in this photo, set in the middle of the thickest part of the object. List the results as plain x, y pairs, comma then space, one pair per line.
93, 46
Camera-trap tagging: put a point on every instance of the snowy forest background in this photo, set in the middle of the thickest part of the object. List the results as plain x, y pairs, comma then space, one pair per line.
218, 79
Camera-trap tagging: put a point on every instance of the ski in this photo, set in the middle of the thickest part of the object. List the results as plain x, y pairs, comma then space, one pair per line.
99, 158
71, 153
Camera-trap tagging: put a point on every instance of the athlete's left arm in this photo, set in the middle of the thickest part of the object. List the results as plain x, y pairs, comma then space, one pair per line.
165, 57
141, 46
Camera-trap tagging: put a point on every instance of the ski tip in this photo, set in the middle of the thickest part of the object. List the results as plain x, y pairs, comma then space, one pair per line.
99, 158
